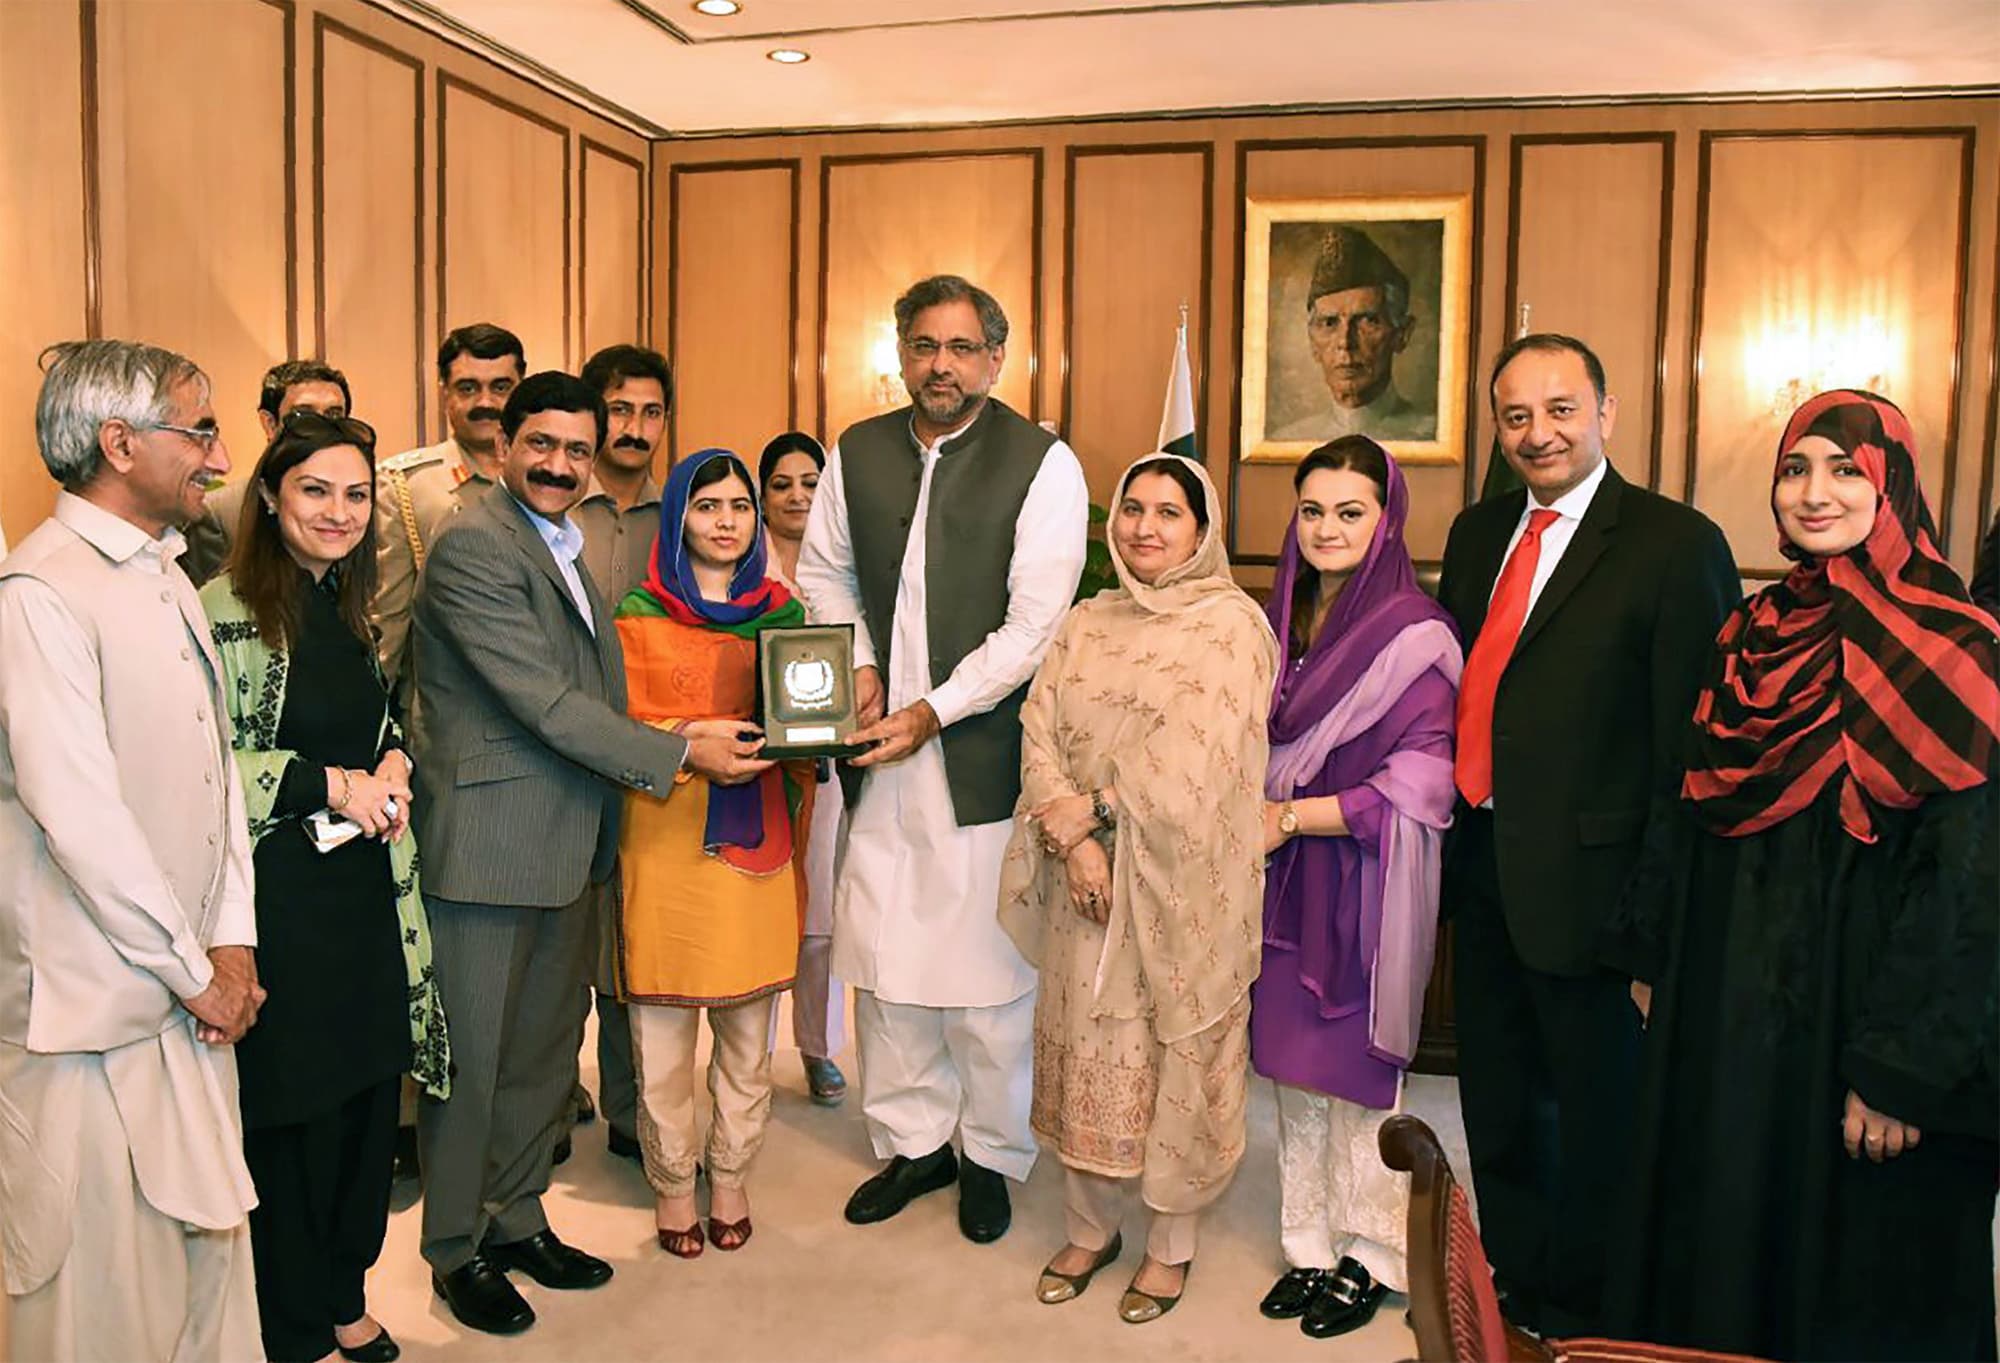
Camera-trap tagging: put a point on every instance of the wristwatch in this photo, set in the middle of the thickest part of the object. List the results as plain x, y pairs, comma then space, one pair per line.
1288, 820
1100, 810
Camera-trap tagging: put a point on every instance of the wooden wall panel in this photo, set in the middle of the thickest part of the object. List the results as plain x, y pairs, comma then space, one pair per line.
504, 207
887, 221
255, 179
197, 200
1262, 497
41, 251
1574, 204
611, 267
1786, 240
732, 305
368, 241
1138, 231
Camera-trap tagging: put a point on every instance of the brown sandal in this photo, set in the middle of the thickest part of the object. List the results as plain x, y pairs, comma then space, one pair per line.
729, 1234
682, 1244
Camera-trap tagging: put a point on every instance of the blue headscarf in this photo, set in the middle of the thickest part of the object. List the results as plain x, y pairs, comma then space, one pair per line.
671, 581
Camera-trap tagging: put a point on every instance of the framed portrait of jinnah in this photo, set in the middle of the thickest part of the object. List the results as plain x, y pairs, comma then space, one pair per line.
1355, 322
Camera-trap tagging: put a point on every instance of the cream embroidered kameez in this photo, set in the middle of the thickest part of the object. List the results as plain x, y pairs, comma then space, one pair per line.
1141, 1042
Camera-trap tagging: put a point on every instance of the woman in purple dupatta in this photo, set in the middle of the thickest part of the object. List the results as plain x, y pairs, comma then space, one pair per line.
1360, 791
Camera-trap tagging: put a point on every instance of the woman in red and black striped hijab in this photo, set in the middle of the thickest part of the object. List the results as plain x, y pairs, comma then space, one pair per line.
1867, 666
1815, 1153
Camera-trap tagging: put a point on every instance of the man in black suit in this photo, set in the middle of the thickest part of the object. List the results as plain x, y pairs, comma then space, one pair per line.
1588, 607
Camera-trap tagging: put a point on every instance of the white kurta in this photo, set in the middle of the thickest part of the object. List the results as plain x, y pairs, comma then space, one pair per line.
915, 914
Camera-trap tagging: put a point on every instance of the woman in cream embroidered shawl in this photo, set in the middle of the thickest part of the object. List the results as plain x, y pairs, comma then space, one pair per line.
1135, 881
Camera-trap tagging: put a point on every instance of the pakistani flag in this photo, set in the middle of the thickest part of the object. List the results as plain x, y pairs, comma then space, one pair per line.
1177, 418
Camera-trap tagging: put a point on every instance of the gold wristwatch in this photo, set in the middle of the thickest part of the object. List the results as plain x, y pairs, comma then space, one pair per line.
1288, 820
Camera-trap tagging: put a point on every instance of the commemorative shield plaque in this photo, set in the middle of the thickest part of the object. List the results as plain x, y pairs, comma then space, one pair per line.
805, 691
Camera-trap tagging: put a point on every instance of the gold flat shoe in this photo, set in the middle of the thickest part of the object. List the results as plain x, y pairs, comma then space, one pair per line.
1055, 1288
1136, 1307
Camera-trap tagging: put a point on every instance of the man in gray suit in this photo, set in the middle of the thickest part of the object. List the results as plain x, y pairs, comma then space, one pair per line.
527, 753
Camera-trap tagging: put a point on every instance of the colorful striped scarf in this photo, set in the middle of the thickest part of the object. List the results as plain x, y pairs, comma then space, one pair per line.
1872, 668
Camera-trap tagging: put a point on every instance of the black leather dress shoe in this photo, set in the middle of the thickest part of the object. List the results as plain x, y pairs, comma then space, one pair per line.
1348, 1302
551, 1263
905, 1180
622, 1145
984, 1213
381, 1349
1292, 1294
479, 1294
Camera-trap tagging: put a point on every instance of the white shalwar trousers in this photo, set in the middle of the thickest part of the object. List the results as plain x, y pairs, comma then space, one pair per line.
1336, 1197
929, 1072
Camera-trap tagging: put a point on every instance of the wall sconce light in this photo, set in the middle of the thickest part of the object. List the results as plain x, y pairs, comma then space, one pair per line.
885, 368
1791, 362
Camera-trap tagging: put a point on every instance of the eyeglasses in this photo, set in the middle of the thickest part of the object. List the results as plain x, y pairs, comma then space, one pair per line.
924, 348
204, 436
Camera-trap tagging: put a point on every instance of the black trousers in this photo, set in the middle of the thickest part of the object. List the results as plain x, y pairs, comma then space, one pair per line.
1548, 1070
322, 1210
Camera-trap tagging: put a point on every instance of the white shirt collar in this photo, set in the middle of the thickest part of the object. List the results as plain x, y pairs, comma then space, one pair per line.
938, 444
1572, 504
115, 537
564, 537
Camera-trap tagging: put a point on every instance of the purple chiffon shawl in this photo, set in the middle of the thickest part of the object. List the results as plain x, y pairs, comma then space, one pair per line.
1368, 707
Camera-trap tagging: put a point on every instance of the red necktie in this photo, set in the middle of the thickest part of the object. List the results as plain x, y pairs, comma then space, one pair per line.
1505, 615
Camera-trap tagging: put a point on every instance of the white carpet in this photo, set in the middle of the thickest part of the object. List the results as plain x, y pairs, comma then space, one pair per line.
811, 1286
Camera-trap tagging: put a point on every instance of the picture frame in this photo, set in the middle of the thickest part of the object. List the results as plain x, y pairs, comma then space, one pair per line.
1323, 355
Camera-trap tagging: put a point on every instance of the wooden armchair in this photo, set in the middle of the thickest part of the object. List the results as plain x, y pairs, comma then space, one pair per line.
1454, 1307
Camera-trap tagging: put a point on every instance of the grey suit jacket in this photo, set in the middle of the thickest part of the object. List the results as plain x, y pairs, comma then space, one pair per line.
525, 750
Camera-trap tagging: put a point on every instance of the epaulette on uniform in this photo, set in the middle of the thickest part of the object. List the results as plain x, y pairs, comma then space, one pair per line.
411, 460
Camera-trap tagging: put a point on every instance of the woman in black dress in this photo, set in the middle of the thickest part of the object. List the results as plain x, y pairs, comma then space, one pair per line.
342, 945
1815, 1164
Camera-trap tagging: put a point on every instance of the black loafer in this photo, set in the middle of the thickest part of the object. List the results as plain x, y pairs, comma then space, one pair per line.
1348, 1302
381, 1349
905, 1180
583, 1111
622, 1145
825, 1081
1292, 1294
479, 1294
984, 1212
551, 1263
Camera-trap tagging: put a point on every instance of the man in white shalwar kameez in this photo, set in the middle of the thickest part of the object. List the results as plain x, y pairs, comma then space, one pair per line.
126, 915
951, 533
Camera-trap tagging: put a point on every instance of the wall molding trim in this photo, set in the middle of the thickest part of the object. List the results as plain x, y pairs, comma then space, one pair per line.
1967, 136
674, 173
1665, 140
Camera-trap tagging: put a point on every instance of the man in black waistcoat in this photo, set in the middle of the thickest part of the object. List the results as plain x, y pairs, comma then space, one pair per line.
951, 534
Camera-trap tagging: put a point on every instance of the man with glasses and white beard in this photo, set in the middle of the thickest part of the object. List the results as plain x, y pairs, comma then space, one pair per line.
951, 533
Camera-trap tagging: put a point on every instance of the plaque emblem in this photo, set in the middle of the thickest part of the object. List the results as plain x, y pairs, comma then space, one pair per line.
809, 683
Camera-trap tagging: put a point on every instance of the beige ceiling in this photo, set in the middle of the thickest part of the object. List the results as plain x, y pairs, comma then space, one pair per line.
660, 66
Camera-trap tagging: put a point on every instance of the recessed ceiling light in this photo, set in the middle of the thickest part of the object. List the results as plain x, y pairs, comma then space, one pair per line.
788, 56
720, 9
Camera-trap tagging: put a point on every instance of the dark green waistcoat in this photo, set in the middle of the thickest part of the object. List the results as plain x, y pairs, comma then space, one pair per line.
977, 492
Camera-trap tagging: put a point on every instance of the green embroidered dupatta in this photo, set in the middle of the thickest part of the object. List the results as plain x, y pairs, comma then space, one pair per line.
254, 677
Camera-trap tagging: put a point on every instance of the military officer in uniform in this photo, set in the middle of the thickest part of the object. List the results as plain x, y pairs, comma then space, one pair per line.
417, 491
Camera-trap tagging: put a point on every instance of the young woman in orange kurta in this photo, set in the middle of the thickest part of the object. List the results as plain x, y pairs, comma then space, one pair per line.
713, 897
